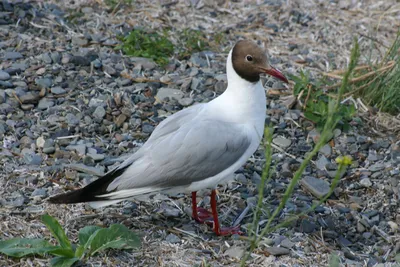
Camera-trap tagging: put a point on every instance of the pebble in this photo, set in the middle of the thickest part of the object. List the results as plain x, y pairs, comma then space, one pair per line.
235, 252
45, 103
278, 251
48, 146
39, 192
366, 182
4, 76
187, 101
282, 141
315, 186
44, 82
173, 239
376, 167
12, 55
168, 93
326, 150
86, 169
99, 112
322, 162
58, 90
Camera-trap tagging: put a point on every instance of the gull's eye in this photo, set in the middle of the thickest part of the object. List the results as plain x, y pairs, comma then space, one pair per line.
249, 58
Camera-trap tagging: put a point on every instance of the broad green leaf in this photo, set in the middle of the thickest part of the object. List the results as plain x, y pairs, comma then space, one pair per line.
86, 232
19, 247
63, 252
311, 116
117, 236
397, 258
79, 251
63, 261
57, 231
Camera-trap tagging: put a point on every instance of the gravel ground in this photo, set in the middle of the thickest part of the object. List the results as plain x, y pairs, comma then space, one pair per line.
72, 107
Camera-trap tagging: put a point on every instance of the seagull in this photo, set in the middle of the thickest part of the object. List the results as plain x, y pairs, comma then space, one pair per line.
197, 147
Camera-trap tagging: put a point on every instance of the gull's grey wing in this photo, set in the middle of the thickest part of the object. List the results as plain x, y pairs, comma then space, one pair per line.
183, 150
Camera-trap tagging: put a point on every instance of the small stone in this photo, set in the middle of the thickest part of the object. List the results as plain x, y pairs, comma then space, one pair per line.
99, 112
278, 251
234, 252
40, 142
4, 76
87, 169
120, 119
394, 226
80, 149
326, 150
317, 187
29, 98
171, 238
322, 162
32, 159
12, 55
58, 90
366, 182
46, 58
78, 60
287, 243
45, 103
376, 167
56, 57
343, 241
169, 93
39, 192
147, 128
96, 157
79, 41
307, 227
44, 82
110, 70
72, 120
282, 141
187, 101
48, 146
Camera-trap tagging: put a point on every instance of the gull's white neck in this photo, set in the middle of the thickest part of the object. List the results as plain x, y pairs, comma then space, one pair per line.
242, 101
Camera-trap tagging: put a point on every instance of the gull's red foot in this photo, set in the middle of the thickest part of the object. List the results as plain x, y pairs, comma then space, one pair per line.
233, 230
204, 216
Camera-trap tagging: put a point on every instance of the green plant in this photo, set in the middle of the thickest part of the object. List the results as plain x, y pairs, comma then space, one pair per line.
113, 3
92, 239
316, 101
334, 260
343, 162
139, 43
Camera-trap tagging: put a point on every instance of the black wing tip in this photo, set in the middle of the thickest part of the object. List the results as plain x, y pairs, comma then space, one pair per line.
67, 198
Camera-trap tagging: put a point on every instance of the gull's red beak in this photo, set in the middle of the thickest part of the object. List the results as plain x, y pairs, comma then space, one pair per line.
276, 73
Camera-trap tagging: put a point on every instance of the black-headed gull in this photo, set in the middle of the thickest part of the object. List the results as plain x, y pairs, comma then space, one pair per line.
197, 147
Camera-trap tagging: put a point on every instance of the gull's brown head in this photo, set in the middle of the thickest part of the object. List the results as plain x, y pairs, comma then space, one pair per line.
250, 60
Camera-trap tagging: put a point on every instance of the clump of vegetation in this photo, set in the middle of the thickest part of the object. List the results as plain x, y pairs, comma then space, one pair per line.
139, 43
315, 101
114, 3
92, 239
160, 48
379, 85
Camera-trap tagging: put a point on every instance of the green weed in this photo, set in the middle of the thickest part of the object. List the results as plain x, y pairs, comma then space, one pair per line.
92, 240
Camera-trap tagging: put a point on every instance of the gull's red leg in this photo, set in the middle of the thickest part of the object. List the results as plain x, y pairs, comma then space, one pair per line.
200, 215
217, 228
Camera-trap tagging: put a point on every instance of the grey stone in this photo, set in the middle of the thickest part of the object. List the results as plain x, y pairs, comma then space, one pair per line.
96, 157
56, 57
164, 93
48, 146
322, 162
220, 87
282, 142
234, 252
326, 150
4, 76
366, 182
32, 159
99, 112
39, 192
110, 70
79, 41
46, 58
29, 97
195, 85
45, 103
372, 156
186, 101
307, 227
147, 128
171, 238
315, 186
2, 96
44, 82
72, 119
57, 90
98, 171
278, 251
80, 149
145, 63
376, 167
12, 55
